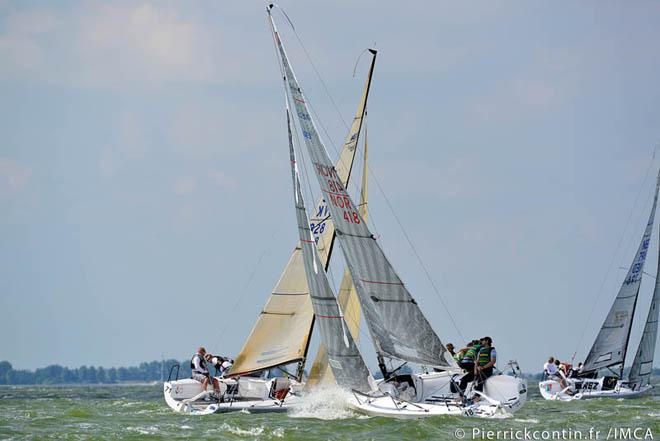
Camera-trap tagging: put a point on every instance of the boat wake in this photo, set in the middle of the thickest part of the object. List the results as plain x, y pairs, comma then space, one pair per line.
324, 403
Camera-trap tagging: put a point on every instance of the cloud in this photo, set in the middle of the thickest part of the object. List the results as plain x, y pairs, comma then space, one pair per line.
115, 45
185, 186
545, 84
141, 42
13, 176
222, 180
21, 47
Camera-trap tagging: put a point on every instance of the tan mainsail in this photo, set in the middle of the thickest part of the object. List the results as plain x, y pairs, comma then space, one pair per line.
320, 374
282, 331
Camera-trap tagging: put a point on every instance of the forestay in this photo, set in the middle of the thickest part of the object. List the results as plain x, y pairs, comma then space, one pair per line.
281, 333
397, 325
343, 356
611, 345
642, 367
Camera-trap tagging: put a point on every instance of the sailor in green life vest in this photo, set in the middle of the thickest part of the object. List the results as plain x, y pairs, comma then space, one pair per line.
467, 362
486, 360
450, 349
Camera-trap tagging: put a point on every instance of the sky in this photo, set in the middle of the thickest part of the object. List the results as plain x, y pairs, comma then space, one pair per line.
145, 187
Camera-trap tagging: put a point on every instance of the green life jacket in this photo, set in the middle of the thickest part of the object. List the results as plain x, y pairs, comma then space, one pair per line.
471, 354
484, 356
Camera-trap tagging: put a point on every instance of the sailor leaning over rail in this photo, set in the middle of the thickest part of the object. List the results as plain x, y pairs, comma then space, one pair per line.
220, 363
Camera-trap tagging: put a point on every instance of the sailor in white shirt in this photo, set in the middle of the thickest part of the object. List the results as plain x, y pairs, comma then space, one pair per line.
550, 369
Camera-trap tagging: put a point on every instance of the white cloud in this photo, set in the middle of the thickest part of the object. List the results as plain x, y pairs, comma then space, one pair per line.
185, 186
13, 176
114, 45
222, 180
544, 85
138, 42
21, 44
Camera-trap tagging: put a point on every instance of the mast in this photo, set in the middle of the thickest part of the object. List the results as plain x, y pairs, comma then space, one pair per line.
611, 344
282, 331
642, 367
634, 309
397, 325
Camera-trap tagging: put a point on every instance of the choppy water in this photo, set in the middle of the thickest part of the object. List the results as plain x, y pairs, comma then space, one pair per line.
139, 412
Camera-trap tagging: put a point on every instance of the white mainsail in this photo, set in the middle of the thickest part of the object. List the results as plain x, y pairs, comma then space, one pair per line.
642, 367
397, 325
343, 355
282, 331
611, 345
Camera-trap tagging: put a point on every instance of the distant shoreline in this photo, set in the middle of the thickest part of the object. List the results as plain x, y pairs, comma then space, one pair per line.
144, 374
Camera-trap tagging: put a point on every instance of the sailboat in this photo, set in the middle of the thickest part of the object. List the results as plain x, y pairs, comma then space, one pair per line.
267, 375
611, 345
397, 326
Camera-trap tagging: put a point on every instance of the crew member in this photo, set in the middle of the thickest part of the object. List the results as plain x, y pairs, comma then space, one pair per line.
220, 363
200, 372
468, 362
486, 360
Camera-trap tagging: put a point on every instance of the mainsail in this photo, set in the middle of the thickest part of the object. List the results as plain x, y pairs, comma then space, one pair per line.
611, 345
397, 325
642, 367
321, 373
283, 328
343, 355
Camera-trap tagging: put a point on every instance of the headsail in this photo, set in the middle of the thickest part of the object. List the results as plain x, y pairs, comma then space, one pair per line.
611, 345
397, 325
321, 373
343, 355
642, 367
281, 333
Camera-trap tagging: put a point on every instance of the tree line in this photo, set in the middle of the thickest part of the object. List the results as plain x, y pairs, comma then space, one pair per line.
144, 372
56, 374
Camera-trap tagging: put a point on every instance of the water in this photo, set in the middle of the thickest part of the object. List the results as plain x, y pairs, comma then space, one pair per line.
139, 412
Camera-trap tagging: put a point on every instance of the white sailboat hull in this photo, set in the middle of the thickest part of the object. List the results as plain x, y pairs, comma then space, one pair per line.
431, 395
253, 395
583, 389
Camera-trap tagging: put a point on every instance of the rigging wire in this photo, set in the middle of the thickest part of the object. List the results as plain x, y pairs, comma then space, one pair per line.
614, 256
318, 74
220, 341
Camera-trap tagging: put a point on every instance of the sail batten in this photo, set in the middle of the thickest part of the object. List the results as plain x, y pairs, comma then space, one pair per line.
611, 344
398, 329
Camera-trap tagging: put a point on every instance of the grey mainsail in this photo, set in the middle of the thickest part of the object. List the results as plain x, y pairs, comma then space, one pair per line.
642, 367
611, 345
396, 323
347, 364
